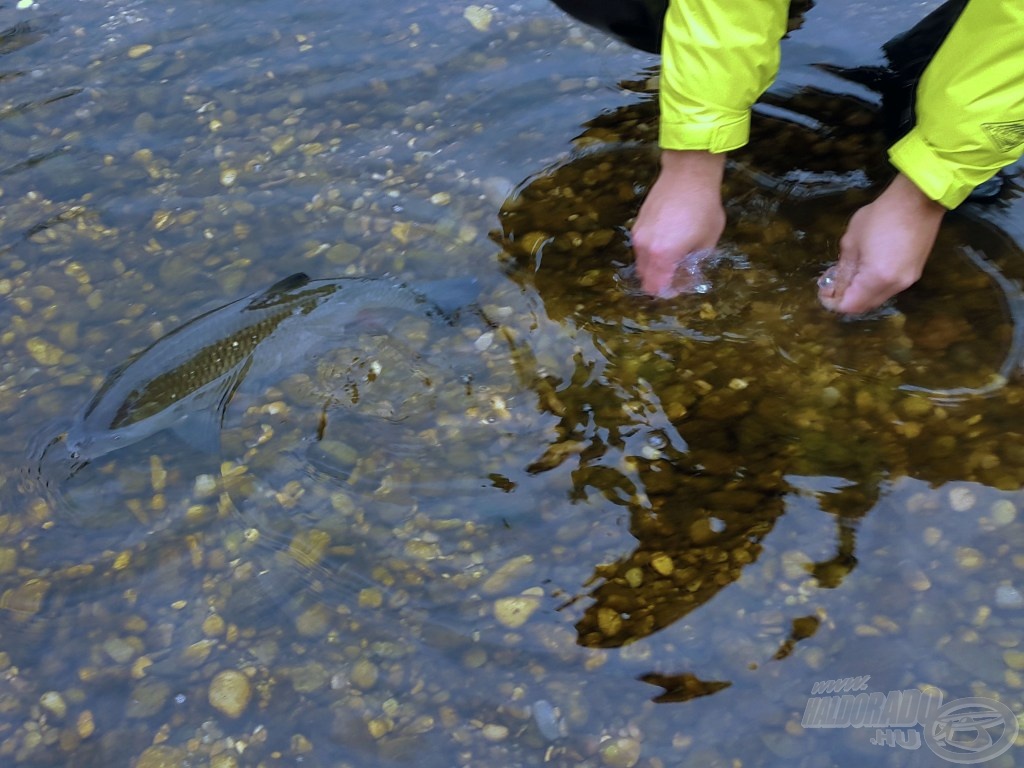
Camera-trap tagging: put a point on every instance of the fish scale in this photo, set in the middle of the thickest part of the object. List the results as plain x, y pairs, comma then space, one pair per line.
209, 364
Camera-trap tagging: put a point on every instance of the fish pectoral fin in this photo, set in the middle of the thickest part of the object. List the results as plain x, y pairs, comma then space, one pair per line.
200, 430
200, 427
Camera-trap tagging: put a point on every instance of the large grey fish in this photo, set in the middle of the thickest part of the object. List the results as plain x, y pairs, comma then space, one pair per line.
185, 380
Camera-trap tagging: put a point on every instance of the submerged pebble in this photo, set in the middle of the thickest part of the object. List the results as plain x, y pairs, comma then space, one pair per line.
54, 703
386, 501
549, 722
620, 753
513, 612
161, 756
1008, 596
229, 692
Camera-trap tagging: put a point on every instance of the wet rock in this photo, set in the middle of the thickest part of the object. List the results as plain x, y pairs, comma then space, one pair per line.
1003, 513
494, 732
314, 621
364, 674
513, 612
1009, 597
54, 703
8, 559
969, 558
230, 692
479, 17
161, 756
609, 621
962, 498
620, 753
147, 698
122, 649
663, 564
549, 722
501, 579
307, 678
214, 625
24, 601
85, 726
197, 653
43, 352
1014, 659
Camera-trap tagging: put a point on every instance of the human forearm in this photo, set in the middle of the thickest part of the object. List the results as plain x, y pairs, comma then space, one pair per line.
717, 59
970, 105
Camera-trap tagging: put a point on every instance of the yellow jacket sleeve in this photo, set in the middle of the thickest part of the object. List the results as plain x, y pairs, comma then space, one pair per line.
717, 59
970, 104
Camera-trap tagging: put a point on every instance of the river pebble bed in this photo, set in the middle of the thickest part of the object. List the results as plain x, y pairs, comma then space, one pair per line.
567, 525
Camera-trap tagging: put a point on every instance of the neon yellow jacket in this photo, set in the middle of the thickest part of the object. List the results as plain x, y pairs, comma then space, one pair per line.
719, 57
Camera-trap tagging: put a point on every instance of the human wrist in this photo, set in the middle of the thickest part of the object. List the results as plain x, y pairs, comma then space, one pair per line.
902, 191
693, 167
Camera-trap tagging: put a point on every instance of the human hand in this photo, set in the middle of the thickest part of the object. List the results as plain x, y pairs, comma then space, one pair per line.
682, 214
884, 249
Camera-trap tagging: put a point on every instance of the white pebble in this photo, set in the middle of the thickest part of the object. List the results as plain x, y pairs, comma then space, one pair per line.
1008, 596
484, 341
961, 498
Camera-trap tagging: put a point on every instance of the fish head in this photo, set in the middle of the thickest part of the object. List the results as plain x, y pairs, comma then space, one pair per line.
72, 458
82, 446
51, 458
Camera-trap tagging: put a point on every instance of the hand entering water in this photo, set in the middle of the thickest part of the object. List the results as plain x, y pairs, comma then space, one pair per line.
682, 214
883, 251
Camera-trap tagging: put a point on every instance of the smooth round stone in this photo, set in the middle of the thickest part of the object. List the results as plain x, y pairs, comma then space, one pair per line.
85, 725
969, 558
364, 674
148, 698
160, 756
515, 611
309, 677
313, 622
44, 352
1014, 659
621, 753
54, 703
506, 574
230, 692
495, 732
549, 723
1003, 513
962, 499
1008, 596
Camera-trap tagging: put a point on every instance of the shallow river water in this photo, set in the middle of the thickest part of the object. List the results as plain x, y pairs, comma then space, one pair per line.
567, 524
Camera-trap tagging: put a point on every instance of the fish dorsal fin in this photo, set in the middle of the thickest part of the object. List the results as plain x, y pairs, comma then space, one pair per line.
284, 285
289, 283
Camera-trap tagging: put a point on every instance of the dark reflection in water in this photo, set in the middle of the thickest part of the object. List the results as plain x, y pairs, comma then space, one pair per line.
741, 397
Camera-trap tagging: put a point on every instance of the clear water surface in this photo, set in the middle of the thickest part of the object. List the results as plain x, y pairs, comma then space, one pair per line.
567, 525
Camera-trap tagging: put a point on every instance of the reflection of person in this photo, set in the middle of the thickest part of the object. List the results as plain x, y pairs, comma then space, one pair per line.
718, 58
